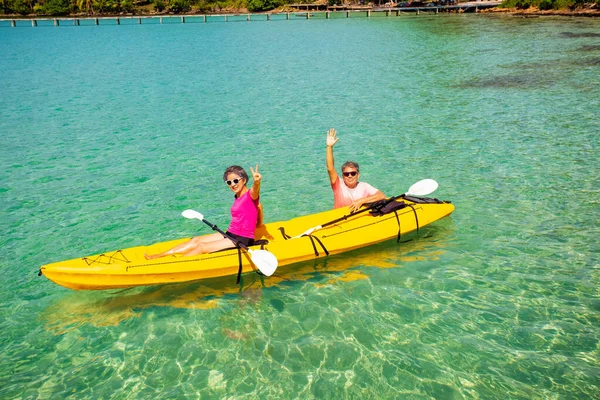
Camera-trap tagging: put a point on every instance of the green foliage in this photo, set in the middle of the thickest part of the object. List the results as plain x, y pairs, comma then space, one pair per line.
159, 5
107, 6
520, 4
179, 6
262, 5
334, 2
219, 5
546, 4
55, 7
562, 4
127, 6
577, 4
507, 4
203, 6
21, 7
523, 4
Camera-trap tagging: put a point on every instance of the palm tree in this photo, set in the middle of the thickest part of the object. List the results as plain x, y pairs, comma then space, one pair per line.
85, 5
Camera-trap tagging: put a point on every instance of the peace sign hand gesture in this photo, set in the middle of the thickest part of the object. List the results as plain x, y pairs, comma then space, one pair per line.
255, 189
255, 175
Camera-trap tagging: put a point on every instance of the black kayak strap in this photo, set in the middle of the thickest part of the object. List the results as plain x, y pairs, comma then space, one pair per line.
239, 274
399, 227
240, 265
416, 217
312, 241
398, 220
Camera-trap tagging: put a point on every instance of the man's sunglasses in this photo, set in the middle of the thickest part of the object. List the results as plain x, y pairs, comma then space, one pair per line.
233, 181
351, 173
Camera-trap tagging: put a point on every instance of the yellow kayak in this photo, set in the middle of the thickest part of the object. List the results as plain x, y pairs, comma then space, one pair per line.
128, 267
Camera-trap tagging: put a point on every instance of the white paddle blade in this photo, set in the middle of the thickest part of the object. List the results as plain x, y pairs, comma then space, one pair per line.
423, 188
265, 261
192, 214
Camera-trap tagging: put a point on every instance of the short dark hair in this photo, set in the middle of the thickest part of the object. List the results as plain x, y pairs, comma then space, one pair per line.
350, 164
235, 169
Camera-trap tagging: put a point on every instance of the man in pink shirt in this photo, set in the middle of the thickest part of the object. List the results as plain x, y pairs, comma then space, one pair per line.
348, 191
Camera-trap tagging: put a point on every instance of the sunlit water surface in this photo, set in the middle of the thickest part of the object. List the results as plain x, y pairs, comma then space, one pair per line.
109, 132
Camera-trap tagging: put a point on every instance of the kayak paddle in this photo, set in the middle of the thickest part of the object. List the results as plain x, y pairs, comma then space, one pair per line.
421, 188
265, 261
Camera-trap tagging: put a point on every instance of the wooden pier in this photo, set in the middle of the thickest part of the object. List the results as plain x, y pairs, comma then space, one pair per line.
194, 18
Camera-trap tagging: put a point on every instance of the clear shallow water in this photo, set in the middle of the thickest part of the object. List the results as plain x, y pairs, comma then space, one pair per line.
109, 132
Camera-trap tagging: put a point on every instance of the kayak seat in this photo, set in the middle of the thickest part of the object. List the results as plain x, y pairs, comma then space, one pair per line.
388, 208
260, 242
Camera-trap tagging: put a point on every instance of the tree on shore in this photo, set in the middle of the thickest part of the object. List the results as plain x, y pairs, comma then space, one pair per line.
85, 6
21, 7
263, 5
179, 6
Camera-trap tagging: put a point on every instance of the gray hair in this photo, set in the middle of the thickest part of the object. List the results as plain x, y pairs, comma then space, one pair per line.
235, 169
351, 164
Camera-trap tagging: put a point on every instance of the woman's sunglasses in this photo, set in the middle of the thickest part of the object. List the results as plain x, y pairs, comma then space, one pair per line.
351, 173
233, 181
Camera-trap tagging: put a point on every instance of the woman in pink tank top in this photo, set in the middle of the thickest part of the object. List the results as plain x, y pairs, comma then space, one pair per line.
246, 215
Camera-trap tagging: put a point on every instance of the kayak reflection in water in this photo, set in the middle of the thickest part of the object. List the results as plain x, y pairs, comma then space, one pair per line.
246, 215
349, 191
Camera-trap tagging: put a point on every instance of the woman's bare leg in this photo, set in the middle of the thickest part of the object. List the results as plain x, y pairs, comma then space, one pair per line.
187, 246
209, 247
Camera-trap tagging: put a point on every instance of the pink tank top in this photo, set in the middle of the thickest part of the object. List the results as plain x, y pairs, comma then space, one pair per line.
244, 214
343, 196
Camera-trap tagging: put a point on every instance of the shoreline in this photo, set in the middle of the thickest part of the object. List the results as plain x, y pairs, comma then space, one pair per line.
535, 12
530, 12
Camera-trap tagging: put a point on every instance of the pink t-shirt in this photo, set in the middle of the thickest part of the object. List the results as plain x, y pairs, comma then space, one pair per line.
244, 214
343, 196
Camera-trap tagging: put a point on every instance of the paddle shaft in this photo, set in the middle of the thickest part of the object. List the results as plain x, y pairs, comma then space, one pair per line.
369, 207
237, 242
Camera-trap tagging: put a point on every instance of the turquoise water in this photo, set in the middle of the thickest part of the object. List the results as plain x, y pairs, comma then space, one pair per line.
109, 132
